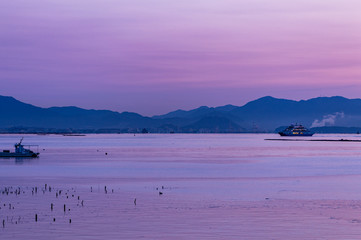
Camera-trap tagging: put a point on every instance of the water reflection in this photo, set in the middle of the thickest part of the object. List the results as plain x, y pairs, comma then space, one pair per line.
22, 160
17, 160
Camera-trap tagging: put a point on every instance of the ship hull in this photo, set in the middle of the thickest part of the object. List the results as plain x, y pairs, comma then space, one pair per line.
292, 134
17, 155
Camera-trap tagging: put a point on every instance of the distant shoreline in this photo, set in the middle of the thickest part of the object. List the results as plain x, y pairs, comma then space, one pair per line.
140, 133
314, 140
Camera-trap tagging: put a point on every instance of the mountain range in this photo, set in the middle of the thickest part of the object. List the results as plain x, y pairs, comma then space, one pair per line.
265, 114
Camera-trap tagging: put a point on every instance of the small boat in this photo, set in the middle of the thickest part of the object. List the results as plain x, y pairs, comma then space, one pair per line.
20, 151
296, 130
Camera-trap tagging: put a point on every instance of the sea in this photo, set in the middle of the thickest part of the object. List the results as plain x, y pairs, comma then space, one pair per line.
182, 186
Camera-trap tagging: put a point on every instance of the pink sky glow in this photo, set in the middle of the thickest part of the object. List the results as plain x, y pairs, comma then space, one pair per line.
154, 56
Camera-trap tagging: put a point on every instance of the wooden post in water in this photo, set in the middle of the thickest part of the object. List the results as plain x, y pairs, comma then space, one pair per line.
36, 217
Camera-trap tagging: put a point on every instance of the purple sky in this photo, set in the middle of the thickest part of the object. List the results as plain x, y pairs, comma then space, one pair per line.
154, 56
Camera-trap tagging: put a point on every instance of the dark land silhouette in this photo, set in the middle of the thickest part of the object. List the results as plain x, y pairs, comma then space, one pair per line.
267, 114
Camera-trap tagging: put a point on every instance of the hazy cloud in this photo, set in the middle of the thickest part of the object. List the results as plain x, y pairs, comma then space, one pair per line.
328, 120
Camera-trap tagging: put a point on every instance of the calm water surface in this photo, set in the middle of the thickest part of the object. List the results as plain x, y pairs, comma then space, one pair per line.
213, 186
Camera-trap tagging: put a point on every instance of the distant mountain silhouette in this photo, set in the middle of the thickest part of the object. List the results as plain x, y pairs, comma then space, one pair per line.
269, 112
213, 124
261, 115
196, 113
16, 113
